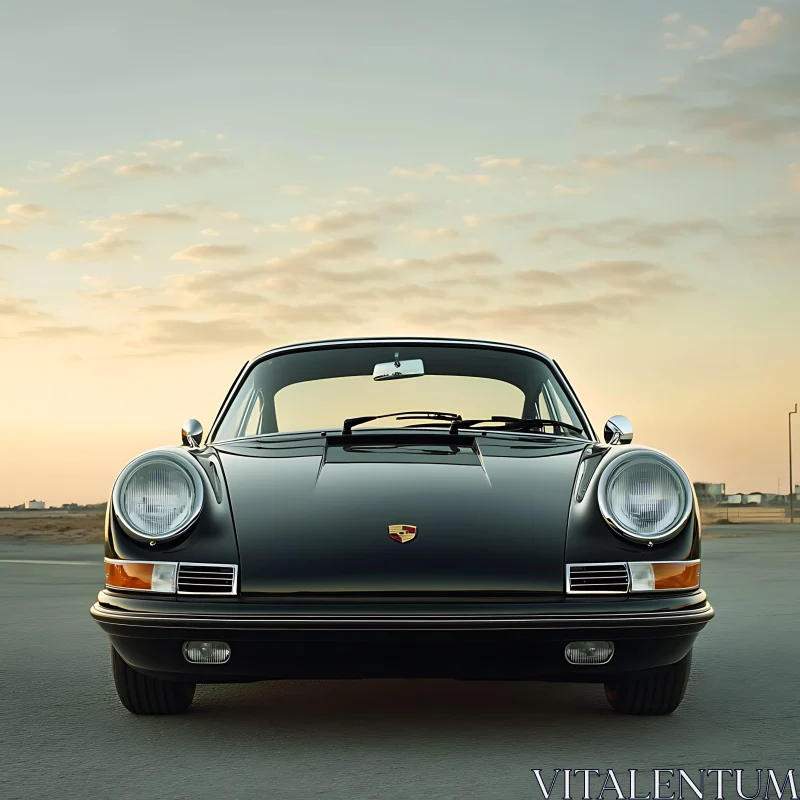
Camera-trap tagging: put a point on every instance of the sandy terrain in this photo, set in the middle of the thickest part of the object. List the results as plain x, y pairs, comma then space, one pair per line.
81, 527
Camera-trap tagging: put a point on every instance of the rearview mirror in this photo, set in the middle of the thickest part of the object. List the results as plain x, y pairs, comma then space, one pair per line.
618, 430
191, 433
392, 370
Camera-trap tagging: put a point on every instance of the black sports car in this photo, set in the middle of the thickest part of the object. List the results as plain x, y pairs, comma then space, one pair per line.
402, 508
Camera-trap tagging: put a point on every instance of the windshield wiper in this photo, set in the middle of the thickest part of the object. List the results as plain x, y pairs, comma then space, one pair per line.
446, 416
515, 424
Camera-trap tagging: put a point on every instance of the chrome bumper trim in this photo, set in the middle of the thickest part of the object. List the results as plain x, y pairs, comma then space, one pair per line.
690, 616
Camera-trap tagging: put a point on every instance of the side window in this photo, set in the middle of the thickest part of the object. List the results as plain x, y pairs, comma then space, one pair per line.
251, 424
556, 402
234, 419
545, 412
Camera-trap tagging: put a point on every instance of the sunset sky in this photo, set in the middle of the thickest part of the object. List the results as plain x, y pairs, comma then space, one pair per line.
184, 185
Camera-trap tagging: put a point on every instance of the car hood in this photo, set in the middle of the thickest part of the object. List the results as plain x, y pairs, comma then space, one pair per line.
312, 514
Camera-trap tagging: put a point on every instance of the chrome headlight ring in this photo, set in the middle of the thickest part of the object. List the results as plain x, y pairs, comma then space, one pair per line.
685, 498
168, 460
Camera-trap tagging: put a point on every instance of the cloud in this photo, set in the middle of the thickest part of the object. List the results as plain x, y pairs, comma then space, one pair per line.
55, 333
13, 224
572, 191
613, 270
120, 222
428, 234
520, 218
156, 217
209, 232
357, 190
333, 222
540, 280
109, 245
79, 168
671, 19
204, 208
641, 280
144, 169
697, 31
467, 258
762, 29
670, 80
772, 235
626, 233
655, 158
167, 144
423, 173
327, 250
22, 312
20, 309
670, 43
496, 162
8, 192
210, 252
201, 333
740, 122
294, 191
794, 173
26, 210
648, 99
560, 317
474, 180
7, 248
339, 221
197, 162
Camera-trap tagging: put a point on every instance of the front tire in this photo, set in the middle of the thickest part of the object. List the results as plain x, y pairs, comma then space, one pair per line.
652, 691
141, 694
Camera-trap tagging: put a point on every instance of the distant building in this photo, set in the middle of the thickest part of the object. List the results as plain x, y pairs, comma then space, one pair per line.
760, 498
709, 493
35, 505
734, 499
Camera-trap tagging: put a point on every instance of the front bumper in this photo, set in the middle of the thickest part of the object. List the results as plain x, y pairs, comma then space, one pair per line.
491, 639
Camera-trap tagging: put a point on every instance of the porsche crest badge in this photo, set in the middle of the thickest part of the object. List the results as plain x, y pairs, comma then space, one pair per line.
402, 533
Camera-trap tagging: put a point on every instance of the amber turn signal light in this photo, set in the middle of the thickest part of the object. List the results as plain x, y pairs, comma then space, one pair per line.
664, 576
140, 576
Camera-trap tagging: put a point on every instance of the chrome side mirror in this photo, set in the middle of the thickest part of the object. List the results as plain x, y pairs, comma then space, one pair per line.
191, 433
618, 430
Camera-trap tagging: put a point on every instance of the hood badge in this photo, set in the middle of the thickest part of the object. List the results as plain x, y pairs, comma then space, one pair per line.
402, 533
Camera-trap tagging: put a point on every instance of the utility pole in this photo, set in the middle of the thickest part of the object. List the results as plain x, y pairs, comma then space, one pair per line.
791, 478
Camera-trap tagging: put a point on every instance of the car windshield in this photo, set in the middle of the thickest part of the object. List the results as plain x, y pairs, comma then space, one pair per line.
318, 389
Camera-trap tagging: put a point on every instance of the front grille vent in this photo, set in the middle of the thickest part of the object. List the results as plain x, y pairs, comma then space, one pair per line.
206, 578
597, 579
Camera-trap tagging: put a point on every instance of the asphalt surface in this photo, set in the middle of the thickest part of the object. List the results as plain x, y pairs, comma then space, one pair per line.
63, 734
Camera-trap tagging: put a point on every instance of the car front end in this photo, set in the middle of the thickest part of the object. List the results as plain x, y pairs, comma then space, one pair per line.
503, 552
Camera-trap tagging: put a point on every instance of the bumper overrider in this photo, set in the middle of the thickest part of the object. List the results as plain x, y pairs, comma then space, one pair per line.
487, 639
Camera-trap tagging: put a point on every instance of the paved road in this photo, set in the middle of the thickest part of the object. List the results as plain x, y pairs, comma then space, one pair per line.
64, 735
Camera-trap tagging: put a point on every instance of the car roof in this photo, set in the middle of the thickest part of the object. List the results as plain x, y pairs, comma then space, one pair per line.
323, 344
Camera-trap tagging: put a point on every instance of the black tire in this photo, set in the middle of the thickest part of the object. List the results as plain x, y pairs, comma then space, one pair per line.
141, 694
652, 691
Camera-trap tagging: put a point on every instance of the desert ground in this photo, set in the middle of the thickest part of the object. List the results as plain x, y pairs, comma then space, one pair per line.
64, 527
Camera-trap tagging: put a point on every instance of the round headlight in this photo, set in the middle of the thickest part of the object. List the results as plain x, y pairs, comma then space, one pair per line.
156, 497
645, 496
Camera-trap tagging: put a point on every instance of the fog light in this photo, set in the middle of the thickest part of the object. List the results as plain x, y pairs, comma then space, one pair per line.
589, 652
206, 652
